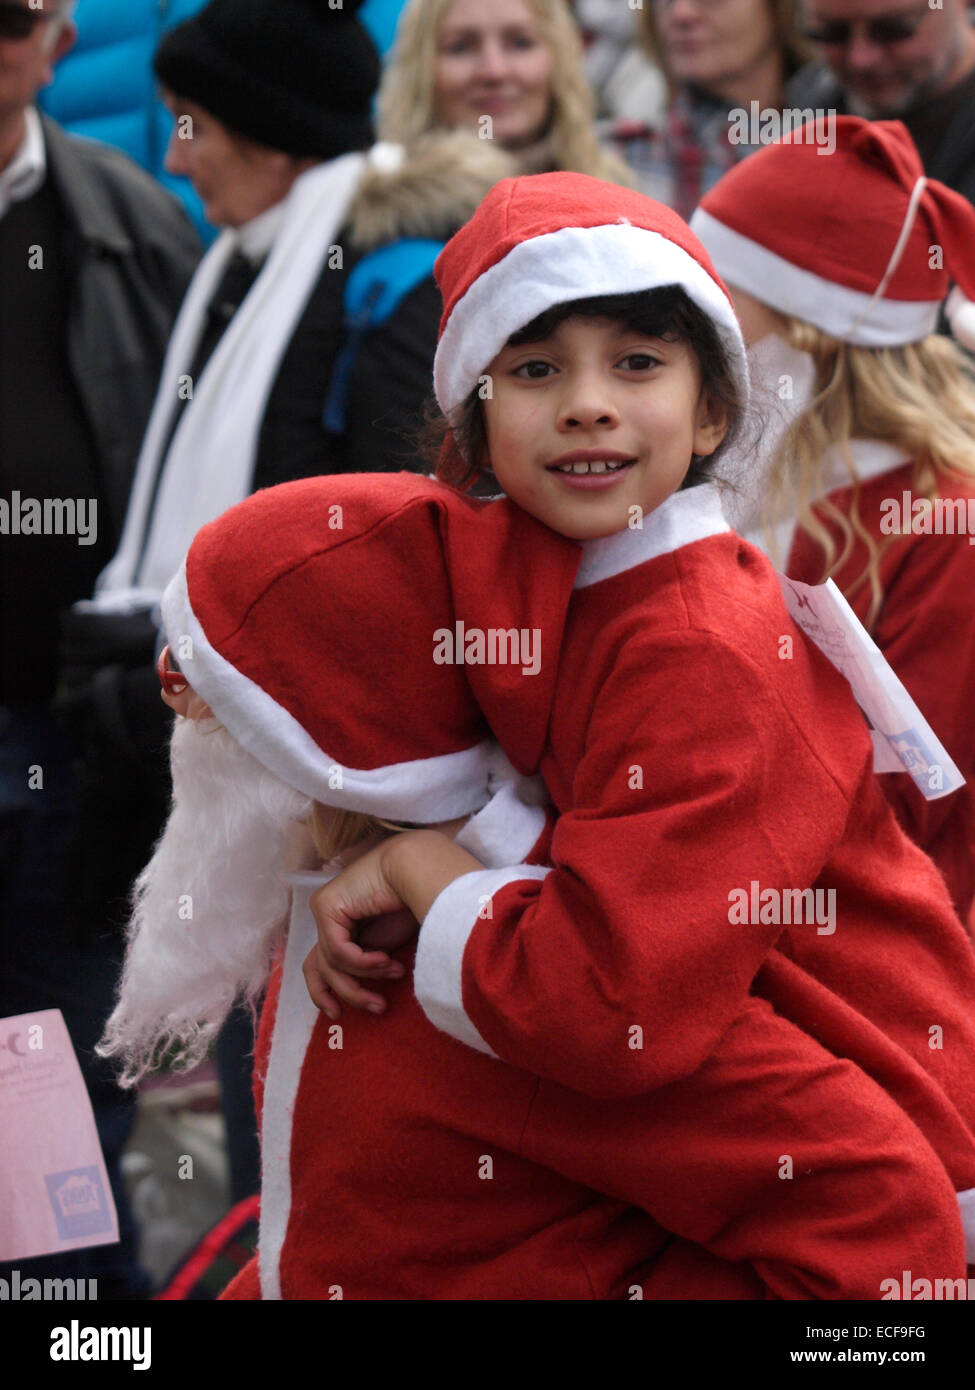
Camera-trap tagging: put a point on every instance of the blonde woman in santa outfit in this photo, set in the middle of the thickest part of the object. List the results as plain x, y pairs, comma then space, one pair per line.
688, 761
873, 481
510, 70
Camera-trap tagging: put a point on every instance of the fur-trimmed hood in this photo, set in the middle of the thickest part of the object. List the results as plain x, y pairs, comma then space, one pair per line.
428, 189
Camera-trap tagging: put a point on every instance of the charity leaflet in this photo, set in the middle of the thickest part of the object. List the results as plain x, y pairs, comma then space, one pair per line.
56, 1194
903, 740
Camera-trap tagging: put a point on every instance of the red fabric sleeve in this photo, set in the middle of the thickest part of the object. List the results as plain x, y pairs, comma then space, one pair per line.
697, 779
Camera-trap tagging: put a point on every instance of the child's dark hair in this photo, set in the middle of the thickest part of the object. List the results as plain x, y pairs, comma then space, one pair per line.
459, 452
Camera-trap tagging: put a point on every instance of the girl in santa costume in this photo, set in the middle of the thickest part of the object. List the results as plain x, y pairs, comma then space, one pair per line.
839, 267
398, 1162
696, 759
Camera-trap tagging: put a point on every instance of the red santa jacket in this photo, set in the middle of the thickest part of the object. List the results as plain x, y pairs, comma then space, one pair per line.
400, 1164
925, 629
708, 773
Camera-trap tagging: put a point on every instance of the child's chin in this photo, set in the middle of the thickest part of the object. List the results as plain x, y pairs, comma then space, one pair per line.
591, 528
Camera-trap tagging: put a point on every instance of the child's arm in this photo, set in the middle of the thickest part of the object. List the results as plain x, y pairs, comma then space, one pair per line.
618, 970
514, 825
408, 871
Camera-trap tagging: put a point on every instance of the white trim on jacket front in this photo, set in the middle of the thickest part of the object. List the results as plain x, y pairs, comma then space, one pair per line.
691, 515
294, 1024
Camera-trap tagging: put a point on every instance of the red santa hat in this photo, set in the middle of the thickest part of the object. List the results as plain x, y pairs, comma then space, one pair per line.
857, 242
309, 618
546, 239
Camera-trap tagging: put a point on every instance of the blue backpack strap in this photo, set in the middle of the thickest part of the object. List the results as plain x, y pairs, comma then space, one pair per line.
374, 290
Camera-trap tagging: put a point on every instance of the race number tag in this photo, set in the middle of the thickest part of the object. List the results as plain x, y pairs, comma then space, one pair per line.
903, 740
57, 1195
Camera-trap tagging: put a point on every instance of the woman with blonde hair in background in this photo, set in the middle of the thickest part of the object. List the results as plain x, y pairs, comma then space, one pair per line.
870, 475
510, 71
718, 57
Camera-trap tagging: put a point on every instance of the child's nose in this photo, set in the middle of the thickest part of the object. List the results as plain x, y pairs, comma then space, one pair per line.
586, 403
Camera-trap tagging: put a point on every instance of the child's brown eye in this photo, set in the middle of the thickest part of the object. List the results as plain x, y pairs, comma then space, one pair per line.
639, 361
534, 371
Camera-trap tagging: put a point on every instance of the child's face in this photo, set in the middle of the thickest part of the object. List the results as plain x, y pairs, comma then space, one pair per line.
594, 421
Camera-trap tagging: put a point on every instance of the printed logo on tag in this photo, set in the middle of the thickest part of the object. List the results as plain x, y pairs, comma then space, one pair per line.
78, 1202
912, 752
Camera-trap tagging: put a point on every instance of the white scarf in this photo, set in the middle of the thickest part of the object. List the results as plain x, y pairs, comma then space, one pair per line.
209, 465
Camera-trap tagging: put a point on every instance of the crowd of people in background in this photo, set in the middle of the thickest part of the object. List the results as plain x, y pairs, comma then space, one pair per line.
257, 304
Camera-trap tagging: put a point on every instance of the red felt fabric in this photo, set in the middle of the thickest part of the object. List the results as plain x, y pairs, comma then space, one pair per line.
391, 1134
596, 1199
285, 586
753, 768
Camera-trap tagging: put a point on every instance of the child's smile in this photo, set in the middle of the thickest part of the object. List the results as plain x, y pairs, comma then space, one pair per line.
595, 425
591, 468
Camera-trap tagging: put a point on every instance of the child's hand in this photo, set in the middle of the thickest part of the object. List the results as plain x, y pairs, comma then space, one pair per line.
404, 875
330, 969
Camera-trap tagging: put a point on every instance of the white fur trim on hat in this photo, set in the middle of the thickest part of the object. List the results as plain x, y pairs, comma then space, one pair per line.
425, 790
571, 263
843, 313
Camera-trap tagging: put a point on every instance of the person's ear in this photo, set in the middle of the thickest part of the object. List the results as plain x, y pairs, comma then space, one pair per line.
711, 424
64, 43
286, 167
188, 704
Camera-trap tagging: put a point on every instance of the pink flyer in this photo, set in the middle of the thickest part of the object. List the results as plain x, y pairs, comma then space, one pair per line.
56, 1194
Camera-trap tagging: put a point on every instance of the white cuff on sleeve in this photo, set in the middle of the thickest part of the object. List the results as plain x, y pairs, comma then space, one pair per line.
444, 933
506, 830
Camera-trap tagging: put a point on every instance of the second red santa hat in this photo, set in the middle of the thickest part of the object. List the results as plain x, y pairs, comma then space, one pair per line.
325, 623
546, 239
856, 241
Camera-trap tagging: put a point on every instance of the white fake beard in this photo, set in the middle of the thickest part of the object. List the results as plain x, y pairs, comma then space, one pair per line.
773, 366
209, 906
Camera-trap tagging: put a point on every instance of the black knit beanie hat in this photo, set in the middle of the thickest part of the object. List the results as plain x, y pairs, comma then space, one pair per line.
295, 75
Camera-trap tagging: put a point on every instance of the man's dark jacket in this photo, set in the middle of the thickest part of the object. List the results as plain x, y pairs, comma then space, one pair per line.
954, 160
132, 252
135, 251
